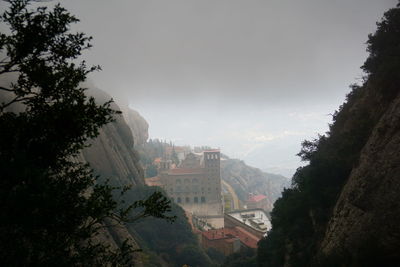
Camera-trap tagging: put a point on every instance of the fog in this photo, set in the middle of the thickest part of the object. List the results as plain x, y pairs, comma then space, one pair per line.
253, 77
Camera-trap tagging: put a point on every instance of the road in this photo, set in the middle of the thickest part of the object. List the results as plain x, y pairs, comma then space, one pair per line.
232, 192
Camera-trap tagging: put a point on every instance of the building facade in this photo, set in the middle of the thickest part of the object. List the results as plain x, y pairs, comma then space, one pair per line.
196, 183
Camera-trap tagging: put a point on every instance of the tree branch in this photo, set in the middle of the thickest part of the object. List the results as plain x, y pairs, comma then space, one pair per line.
6, 89
15, 100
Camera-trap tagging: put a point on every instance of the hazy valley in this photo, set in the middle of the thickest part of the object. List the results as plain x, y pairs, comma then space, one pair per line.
171, 172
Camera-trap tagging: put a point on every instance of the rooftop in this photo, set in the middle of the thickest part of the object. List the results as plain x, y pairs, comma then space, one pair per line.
255, 218
229, 234
211, 150
256, 198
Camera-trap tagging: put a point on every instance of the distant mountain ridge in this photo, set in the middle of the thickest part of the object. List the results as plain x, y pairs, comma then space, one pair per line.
246, 179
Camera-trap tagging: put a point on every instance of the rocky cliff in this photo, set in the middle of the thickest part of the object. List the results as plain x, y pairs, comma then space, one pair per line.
366, 216
343, 208
245, 179
138, 125
112, 154
363, 229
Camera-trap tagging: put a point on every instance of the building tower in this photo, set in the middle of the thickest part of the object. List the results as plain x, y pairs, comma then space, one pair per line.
213, 175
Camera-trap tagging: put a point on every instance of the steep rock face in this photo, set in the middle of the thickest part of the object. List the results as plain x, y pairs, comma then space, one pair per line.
343, 208
138, 125
111, 154
245, 179
368, 209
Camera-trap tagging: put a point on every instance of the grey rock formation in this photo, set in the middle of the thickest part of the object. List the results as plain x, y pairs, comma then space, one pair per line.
368, 210
111, 154
245, 179
138, 125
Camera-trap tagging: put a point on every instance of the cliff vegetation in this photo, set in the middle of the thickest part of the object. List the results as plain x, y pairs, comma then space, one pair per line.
342, 208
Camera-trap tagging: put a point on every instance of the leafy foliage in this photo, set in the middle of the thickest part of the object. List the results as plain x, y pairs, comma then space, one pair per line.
52, 206
245, 257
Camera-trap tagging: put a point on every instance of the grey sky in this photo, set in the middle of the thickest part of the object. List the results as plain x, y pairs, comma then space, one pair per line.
253, 77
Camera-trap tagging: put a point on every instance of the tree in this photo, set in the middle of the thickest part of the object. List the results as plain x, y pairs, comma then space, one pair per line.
301, 216
51, 206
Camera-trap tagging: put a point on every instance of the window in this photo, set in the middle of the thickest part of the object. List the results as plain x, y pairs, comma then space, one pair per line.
196, 200
179, 200
187, 200
203, 199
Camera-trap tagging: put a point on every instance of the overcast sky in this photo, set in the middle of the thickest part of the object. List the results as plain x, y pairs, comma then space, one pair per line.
252, 77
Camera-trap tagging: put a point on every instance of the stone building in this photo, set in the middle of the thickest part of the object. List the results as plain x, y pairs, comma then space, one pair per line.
195, 184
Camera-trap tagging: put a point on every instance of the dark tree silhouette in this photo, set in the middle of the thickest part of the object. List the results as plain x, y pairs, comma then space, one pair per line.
51, 206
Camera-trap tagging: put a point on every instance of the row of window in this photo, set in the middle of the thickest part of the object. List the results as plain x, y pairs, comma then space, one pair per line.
186, 181
188, 200
187, 189
212, 156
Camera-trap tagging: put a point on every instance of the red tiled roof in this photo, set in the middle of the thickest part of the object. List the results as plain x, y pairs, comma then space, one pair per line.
186, 171
229, 234
256, 198
247, 238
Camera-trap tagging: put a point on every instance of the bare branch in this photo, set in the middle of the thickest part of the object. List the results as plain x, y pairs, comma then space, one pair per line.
6, 89
15, 100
